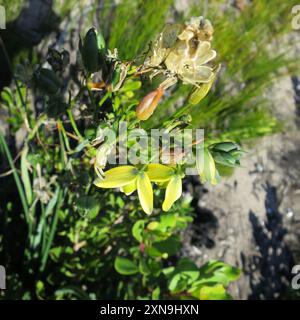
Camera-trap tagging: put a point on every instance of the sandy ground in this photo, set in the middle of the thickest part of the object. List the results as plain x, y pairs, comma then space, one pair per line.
252, 218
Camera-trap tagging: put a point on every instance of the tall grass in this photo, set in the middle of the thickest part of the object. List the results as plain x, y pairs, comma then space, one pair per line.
135, 24
246, 43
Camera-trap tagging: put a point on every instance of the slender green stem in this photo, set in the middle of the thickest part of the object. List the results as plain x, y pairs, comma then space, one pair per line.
64, 158
43, 235
66, 139
181, 111
73, 124
17, 179
36, 127
91, 97
59, 193
104, 98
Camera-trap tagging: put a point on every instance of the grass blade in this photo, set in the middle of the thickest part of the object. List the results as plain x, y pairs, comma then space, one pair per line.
16, 177
25, 175
59, 195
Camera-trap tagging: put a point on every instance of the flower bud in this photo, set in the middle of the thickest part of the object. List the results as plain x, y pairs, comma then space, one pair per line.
92, 50
224, 146
206, 166
47, 81
226, 153
199, 93
148, 104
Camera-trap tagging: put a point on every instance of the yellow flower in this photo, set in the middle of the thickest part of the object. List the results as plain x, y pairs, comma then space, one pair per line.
173, 192
130, 178
167, 177
159, 172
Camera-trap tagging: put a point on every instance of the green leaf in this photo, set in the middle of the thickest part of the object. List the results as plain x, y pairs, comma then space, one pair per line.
155, 267
178, 283
88, 205
138, 229
131, 86
185, 273
25, 175
22, 195
216, 292
167, 220
156, 293
143, 267
230, 272
125, 266
59, 194
188, 268
169, 246
217, 272
174, 281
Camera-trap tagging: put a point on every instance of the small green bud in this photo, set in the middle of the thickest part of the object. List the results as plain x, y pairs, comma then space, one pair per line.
47, 81
92, 50
152, 225
199, 93
224, 146
226, 153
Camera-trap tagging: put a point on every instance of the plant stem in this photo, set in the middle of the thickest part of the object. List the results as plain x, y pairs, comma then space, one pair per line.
59, 194
73, 124
17, 179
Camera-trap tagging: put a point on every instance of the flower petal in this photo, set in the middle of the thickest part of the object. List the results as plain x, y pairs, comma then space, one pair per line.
158, 172
129, 188
186, 35
117, 177
173, 192
206, 167
145, 192
169, 34
199, 75
205, 57
204, 74
200, 92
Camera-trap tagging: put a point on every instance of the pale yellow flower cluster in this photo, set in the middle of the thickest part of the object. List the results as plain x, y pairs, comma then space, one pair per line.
181, 52
184, 52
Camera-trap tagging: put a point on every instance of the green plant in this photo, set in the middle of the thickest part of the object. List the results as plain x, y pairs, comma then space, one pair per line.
81, 232
68, 239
